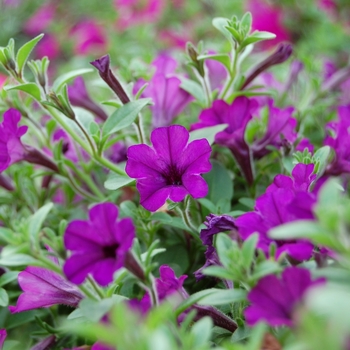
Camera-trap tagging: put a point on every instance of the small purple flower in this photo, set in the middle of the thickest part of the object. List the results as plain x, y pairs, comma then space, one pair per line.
237, 116
3, 335
165, 90
100, 245
171, 169
340, 143
280, 123
274, 300
44, 288
305, 143
11, 148
78, 96
41, 19
286, 200
215, 224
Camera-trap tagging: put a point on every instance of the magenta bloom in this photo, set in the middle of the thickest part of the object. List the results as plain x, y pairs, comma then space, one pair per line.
99, 245
268, 18
280, 123
340, 143
165, 90
135, 12
274, 300
88, 37
237, 116
40, 20
217, 73
171, 169
44, 288
11, 148
3, 335
286, 200
48, 46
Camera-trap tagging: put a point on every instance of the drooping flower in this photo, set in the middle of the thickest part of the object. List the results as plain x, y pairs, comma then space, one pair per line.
3, 335
286, 200
215, 224
171, 169
275, 299
88, 36
340, 142
237, 116
267, 17
100, 245
44, 288
78, 96
280, 128
165, 90
135, 12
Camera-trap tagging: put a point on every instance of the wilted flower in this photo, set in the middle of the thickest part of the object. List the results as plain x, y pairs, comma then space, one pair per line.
44, 288
274, 300
100, 245
171, 169
78, 96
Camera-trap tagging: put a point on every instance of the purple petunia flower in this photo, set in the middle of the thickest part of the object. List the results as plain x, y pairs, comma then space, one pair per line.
215, 224
100, 245
171, 169
44, 288
165, 90
286, 200
11, 148
340, 142
3, 335
274, 300
237, 116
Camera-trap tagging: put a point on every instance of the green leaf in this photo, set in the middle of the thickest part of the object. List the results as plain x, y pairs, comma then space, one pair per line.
201, 331
265, 268
194, 89
322, 156
65, 78
220, 183
257, 36
124, 116
220, 23
37, 220
24, 52
207, 133
30, 88
223, 296
115, 181
8, 277
218, 271
246, 23
248, 249
224, 246
220, 57
4, 298
18, 260
8, 236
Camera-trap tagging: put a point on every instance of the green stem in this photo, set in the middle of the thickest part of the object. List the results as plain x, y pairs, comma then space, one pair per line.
96, 288
139, 129
192, 230
80, 190
93, 149
233, 75
87, 292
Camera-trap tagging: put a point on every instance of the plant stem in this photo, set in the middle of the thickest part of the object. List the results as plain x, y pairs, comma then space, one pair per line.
96, 288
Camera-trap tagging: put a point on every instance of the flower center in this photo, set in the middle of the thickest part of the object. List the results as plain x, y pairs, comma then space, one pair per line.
173, 176
109, 251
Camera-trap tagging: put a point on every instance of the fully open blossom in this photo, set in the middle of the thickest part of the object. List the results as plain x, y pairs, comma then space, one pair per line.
171, 169
99, 245
237, 116
274, 300
44, 288
286, 200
